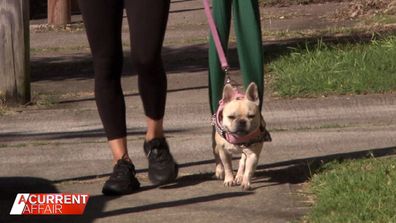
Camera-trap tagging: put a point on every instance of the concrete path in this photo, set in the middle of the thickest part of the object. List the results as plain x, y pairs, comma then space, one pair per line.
60, 146
63, 149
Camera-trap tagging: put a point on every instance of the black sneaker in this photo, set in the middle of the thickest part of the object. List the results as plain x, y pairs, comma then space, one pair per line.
122, 180
162, 167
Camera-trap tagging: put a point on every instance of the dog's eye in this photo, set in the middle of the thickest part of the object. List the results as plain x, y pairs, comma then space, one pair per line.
232, 117
251, 116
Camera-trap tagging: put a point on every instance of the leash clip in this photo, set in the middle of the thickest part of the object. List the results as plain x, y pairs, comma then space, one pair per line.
227, 74
228, 79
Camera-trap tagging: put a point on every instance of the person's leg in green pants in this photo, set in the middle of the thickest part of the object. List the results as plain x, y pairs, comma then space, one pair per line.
248, 31
249, 43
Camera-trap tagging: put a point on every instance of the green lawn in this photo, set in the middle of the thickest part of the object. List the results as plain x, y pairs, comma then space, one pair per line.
336, 69
292, 2
355, 191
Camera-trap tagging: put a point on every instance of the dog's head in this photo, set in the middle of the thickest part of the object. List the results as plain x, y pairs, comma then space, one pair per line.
241, 116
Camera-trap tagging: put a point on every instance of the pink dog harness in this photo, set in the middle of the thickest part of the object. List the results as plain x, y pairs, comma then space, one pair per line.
260, 134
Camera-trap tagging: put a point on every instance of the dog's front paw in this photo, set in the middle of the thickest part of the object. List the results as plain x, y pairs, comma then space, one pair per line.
229, 182
219, 172
238, 179
245, 185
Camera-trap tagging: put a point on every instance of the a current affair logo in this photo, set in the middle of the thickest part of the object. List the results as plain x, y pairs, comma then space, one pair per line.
49, 204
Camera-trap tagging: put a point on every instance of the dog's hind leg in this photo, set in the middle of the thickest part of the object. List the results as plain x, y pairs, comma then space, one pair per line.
241, 170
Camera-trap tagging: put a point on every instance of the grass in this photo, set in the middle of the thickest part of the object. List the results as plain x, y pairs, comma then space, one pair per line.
3, 110
292, 2
382, 19
354, 191
3, 106
324, 126
45, 100
75, 27
336, 69
59, 49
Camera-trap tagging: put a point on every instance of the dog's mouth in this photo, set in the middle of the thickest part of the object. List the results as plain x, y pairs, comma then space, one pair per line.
241, 132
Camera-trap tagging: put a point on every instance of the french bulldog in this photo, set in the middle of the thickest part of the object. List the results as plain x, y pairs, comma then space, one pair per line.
241, 132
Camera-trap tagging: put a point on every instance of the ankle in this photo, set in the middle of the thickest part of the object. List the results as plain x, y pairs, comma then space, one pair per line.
154, 129
150, 137
123, 157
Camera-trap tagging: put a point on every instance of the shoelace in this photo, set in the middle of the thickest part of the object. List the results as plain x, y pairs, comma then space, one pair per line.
157, 154
120, 170
157, 150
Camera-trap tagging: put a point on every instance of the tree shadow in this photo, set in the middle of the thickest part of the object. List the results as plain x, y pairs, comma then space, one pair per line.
80, 67
301, 170
291, 171
93, 133
134, 94
58, 68
170, 204
11, 186
186, 10
185, 59
286, 172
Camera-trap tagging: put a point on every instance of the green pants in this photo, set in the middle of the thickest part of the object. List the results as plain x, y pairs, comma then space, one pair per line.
249, 44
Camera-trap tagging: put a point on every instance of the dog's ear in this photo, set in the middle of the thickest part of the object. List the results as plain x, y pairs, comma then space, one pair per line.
228, 93
252, 93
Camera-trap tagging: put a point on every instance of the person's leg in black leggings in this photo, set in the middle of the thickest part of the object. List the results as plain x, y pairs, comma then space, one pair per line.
147, 22
103, 21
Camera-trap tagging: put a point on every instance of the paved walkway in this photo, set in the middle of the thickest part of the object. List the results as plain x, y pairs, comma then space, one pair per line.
61, 147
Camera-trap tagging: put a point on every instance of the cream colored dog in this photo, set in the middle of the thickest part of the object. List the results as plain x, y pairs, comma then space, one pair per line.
240, 129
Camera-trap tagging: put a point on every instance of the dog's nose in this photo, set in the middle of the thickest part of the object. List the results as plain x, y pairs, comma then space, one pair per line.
242, 123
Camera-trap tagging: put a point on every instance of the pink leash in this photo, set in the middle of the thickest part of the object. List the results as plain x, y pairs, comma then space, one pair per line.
215, 35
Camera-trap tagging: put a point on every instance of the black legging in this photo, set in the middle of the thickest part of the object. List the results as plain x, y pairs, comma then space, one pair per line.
147, 20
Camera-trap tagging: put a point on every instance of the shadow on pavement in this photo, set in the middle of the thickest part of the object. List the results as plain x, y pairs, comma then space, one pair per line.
170, 204
300, 170
186, 10
93, 133
10, 186
287, 172
135, 94
292, 172
185, 59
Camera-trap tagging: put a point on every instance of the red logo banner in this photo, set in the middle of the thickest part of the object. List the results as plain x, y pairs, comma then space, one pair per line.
49, 204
